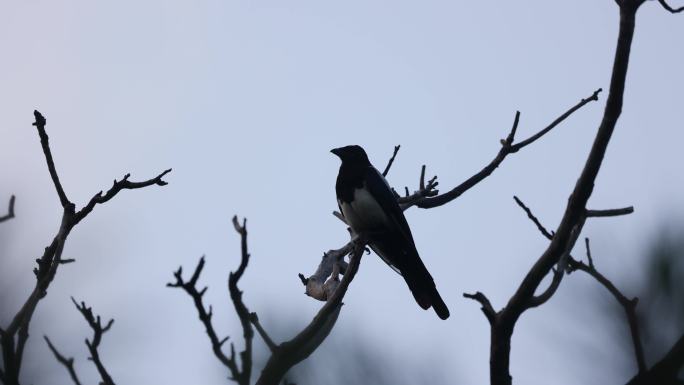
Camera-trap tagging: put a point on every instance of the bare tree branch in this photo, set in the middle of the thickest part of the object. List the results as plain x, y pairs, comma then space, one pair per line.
243, 313
239, 373
13, 339
669, 8
204, 314
559, 271
574, 265
507, 147
254, 319
389, 164
322, 284
67, 362
425, 190
487, 308
533, 218
550, 291
95, 323
629, 305
610, 213
10, 210
123, 184
666, 370
575, 212
291, 352
40, 125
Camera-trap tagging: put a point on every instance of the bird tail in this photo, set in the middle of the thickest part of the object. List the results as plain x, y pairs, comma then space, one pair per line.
423, 288
404, 257
438, 305
427, 296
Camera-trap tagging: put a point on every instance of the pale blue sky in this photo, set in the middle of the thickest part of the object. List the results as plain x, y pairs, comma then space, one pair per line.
244, 99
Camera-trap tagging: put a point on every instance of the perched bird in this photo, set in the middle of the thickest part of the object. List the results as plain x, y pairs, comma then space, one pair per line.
370, 207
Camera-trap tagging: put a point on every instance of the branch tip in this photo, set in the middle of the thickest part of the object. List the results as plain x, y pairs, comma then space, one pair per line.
487, 308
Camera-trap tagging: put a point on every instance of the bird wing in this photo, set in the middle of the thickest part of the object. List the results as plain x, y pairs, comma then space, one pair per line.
378, 187
397, 248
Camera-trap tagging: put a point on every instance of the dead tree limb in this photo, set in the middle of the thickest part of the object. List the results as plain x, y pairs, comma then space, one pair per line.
286, 354
68, 363
572, 265
95, 323
669, 8
291, 352
240, 372
13, 338
389, 164
205, 315
575, 213
629, 305
325, 285
93, 344
666, 370
507, 147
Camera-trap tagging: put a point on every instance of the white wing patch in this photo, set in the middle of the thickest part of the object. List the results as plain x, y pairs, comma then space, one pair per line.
364, 213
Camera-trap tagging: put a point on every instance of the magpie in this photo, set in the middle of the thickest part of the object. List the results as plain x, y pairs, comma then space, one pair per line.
370, 207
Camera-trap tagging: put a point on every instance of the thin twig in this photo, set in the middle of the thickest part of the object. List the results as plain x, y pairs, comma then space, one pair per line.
669, 8
507, 147
533, 218
487, 308
204, 314
254, 319
123, 184
95, 323
10, 210
629, 305
516, 147
542, 298
573, 265
44, 141
428, 189
389, 164
610, 212
239, 373
236, 296
14, 337
67, 362
665, 371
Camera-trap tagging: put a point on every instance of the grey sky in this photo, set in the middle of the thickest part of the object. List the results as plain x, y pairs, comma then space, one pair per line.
244, 101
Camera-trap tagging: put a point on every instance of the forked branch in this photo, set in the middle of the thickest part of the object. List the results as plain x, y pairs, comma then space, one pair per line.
68, 363
669, 8
629, 305
507, 147
14, 337
93, 344
241, 370
205, 316
575, 213
572, 265
286, 354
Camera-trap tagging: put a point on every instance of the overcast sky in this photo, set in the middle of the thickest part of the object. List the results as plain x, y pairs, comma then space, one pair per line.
244, 99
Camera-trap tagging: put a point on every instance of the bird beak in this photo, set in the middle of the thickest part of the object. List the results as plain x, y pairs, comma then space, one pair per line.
335, 151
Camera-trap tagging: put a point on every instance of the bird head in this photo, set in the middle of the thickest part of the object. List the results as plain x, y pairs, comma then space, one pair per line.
351, 154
